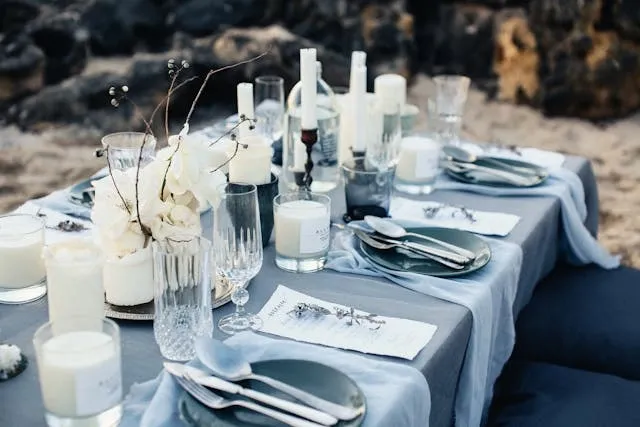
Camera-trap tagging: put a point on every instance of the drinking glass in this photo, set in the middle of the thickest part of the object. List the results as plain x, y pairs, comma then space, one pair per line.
383, 149
367, 189
238, 249
302, 221
79, 367
22, 272
450, 99
182, 270
269, 106
123, 149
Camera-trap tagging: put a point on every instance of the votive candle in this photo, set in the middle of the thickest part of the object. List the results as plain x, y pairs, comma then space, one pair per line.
391, 92
21, 244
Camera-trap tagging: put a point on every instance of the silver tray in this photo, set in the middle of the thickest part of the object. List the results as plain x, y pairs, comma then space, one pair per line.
221, 294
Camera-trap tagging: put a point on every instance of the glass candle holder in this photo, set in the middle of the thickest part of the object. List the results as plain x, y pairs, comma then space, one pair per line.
74, 279
419, 165
367, 188
450, 99
22, 271
123, 149
302, 222
183, 267
80, 372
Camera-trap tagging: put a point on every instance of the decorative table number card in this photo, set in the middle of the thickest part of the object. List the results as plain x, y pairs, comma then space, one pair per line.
297, 316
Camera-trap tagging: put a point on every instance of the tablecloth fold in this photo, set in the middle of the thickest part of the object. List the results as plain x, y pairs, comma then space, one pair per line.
488, 293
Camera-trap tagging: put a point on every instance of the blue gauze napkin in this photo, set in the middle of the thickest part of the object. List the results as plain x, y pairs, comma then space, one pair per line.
567, 187
396, 394
488, 293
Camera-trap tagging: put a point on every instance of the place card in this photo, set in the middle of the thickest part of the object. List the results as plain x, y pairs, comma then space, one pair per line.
542, 158
395, 337
52, 219
486, 223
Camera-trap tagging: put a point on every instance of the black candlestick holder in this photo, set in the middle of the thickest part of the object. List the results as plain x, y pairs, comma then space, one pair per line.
303, 179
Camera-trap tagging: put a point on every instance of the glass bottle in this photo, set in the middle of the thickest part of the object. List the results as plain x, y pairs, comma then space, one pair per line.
325, 171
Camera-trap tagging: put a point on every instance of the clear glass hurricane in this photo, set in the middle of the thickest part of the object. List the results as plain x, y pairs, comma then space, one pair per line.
269, 102
238, 249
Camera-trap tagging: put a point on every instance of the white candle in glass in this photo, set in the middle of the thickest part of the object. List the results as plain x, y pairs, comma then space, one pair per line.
245, 107
308, 95
74, 279
129, 280
252, 165
391, 91
359, 97
419, 160
21, 244
302, 228
80, 373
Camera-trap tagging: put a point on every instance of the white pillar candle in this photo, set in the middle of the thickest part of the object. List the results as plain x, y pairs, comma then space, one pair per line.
129, 280
252, 165
358, 59
21, 244
391, 91
80, 373
245, 107
74, 279
302, 228
359, 105
419, 160
308, 77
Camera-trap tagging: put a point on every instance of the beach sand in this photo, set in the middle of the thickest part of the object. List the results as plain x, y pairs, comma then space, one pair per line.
34, 165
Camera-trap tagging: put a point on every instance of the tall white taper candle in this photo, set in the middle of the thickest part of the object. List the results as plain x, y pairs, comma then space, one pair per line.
308, 77
391, 92
359, 97
245, 107
358, 59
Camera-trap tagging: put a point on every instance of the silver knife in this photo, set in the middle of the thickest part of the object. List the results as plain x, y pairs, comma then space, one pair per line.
459, 259
206, 379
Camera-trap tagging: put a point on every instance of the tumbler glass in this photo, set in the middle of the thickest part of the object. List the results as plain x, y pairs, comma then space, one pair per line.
367, 189
269, 102
385, 135
80, 372
182, 270
451, 97
123, 149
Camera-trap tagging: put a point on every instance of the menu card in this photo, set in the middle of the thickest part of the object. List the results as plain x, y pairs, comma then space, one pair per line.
396, 337
487, 223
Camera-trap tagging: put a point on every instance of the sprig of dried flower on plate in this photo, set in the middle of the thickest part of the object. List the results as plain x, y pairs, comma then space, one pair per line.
164, 198
303, 309
67, 225
456, 212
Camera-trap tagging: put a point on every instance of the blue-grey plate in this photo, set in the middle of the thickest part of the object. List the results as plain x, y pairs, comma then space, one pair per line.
401, 260
540, 174
321, 380
82, 193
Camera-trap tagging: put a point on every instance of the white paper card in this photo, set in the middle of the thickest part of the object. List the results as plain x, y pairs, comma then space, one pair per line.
314, 235
396, 337
486, 223
52, 219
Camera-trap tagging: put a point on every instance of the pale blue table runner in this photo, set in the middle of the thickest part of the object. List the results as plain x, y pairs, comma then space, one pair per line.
396, 394
488, 293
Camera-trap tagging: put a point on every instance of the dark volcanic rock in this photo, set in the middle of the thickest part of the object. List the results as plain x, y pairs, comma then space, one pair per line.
206, 17
64, 43
21, 67
15, 14
122, 26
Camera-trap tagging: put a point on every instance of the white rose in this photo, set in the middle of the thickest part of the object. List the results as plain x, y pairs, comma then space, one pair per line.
179, 220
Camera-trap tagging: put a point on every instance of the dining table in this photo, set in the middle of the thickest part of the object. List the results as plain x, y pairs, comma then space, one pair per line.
538, 233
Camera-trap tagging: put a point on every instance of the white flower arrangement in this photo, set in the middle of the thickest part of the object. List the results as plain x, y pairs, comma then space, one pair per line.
162, 199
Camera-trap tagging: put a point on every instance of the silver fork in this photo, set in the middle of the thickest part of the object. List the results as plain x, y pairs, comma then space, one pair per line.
213, 401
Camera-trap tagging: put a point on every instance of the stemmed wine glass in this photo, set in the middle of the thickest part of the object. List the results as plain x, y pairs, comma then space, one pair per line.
238, 249
269, 106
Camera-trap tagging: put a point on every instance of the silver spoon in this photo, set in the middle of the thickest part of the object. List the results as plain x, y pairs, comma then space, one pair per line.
461, 155
368, 240
396, 231
228, 363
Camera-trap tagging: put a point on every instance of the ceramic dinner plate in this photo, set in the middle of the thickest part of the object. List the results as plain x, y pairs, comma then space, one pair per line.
320, 380
478, 177
82, 193
401, 260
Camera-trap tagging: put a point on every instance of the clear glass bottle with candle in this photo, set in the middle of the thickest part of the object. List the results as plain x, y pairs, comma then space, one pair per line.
325, 152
